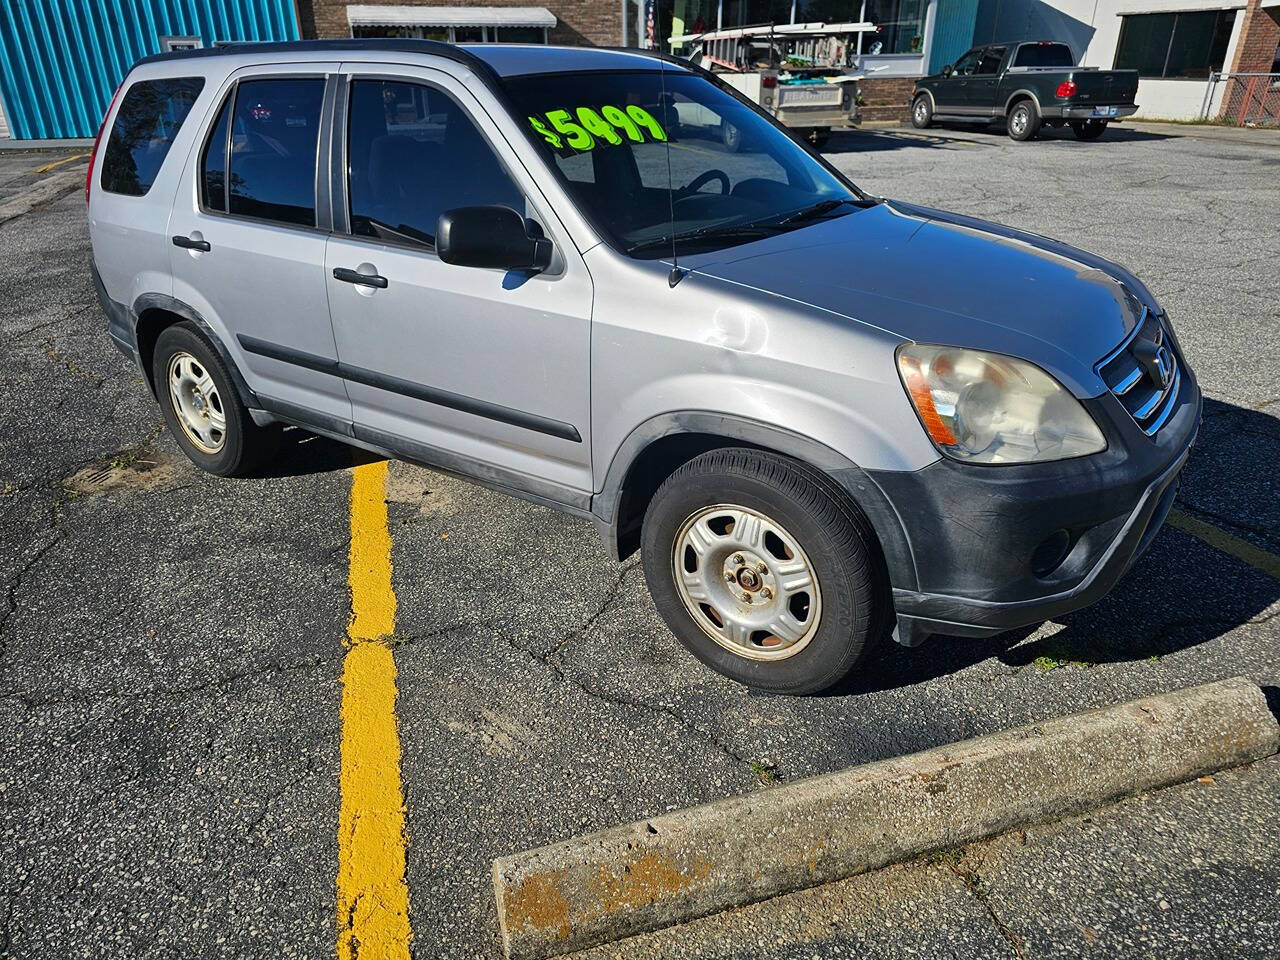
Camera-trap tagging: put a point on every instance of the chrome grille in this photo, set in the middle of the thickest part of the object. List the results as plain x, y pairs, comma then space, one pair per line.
1144, 373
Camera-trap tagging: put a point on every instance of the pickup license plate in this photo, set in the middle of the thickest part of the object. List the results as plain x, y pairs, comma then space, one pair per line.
1104, 111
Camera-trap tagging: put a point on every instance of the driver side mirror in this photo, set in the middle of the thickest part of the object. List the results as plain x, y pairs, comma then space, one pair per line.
490, 236
947, 70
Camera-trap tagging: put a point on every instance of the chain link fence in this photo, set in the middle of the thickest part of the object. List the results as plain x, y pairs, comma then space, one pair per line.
1243, 99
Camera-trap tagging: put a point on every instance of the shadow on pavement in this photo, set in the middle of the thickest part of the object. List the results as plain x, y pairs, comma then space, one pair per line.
302, 453
976, 134
1182, 593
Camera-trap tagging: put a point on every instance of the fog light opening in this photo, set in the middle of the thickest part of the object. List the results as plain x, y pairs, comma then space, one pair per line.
1048, 556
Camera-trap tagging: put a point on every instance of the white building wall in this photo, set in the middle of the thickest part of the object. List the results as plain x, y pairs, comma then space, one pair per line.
1157, 99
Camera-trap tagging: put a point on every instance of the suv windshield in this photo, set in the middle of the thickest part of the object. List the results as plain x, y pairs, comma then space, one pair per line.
733, 176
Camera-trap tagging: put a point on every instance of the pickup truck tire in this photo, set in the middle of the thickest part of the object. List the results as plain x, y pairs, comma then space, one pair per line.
764, 570
201, 406
921, 112
1023, 121
1088, 129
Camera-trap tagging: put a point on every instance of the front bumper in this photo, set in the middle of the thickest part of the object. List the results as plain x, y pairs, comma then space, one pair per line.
994, 548
1086, 111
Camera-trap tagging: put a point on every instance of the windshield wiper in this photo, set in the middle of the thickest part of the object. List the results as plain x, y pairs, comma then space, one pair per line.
742, 231
813, 211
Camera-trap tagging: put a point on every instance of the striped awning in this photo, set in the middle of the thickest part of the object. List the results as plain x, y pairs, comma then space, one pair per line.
409, 15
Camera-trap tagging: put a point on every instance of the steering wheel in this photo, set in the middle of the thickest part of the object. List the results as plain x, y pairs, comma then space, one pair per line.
701, 180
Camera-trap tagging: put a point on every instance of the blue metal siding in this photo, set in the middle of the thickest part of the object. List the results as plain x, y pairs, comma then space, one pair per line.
952, 32
61, 60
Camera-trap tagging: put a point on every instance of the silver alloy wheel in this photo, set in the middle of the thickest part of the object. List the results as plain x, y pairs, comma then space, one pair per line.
746, 582
196, 401
1019, 120
921, 110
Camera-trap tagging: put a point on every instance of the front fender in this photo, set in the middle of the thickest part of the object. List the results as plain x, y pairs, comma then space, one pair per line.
855, 482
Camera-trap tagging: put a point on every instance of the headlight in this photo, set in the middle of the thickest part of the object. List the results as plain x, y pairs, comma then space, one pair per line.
985, 408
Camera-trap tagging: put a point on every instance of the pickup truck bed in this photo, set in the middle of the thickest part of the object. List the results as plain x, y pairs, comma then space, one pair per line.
1027, 85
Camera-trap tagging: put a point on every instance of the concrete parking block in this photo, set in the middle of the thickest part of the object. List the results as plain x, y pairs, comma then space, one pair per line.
677, 867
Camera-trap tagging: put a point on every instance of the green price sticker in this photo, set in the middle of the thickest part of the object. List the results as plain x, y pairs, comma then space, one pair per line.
585, 127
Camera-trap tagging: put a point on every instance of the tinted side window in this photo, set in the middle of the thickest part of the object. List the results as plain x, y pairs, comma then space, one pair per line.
964, 66
213, 165
989, 62
274, 131
149, 117
413, 153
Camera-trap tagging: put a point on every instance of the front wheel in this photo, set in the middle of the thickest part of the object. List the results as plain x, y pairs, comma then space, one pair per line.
921, 113
1088, 129
763, 570
1024, 121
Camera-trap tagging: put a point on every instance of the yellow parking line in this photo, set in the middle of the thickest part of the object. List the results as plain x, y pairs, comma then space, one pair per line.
1255, 557
45, 168
373, 898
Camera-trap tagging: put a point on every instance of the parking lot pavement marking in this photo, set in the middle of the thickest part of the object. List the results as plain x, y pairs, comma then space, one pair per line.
1255, 557
373, 898
54, 164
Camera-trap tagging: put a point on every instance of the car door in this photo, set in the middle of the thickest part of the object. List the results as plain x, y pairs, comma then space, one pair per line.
951, 94
481, 371
980, 92
248, 244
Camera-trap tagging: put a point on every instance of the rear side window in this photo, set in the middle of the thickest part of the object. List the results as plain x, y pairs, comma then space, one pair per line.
1044, 55
150, 116
274, 134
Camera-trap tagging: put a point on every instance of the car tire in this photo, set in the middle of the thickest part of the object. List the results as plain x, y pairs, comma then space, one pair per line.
922, 113
1023, 121
202, 407
1088, 129
792, 523
731, 137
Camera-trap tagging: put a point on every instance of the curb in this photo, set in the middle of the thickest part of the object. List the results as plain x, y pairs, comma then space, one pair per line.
680, 866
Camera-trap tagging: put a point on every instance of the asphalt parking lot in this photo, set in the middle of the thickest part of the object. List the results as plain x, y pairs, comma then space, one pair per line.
171, 644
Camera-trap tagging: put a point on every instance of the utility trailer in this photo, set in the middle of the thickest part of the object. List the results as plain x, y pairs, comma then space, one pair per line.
800, 72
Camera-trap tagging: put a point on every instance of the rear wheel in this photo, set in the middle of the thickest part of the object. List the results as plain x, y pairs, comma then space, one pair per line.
921, 113
763, 570
1024, 120
1088, 129
201, 405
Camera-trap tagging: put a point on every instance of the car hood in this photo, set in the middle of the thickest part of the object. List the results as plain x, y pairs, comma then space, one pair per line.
934, 277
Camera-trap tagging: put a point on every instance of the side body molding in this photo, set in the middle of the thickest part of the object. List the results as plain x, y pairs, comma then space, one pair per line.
852, 479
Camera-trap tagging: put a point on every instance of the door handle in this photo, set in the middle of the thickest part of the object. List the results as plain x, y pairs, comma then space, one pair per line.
347, 275
188, 244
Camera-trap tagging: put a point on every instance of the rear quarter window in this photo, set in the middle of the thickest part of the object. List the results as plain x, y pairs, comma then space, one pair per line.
150, 116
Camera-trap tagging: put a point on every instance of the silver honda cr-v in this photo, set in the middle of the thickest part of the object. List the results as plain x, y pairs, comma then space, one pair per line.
822, 416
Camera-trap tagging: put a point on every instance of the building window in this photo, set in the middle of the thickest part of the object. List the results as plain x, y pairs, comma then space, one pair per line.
899, 26
458, 34
1174, 45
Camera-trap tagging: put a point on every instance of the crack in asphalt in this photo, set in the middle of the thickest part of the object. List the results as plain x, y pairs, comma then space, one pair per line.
550, 660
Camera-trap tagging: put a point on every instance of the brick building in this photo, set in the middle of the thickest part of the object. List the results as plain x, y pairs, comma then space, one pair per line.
573, 22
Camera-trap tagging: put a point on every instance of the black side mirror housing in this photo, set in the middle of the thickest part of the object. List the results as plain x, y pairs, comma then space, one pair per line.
491, 236
947, 70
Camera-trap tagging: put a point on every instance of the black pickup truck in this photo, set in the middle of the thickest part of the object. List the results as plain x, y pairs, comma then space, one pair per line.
1026, 85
